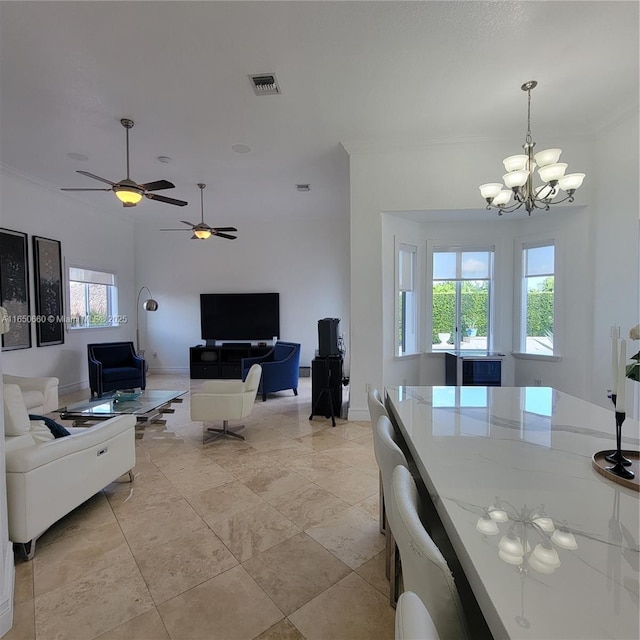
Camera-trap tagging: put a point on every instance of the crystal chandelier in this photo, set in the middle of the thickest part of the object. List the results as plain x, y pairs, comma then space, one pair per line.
519, 176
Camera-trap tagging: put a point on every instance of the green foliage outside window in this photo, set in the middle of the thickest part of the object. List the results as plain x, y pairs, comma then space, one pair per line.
474, 301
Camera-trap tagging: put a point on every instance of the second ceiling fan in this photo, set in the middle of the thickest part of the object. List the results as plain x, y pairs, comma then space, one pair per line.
202, 231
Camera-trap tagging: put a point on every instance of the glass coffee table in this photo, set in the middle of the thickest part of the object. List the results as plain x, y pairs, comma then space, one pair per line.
147, 407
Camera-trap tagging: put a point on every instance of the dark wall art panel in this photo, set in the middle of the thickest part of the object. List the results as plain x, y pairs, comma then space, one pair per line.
47, 260
14, 289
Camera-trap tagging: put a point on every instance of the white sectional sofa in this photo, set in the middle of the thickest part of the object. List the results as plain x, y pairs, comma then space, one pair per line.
47, 478
40, 395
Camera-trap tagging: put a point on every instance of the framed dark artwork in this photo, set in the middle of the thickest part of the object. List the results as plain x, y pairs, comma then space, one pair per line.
47, 262
14, 289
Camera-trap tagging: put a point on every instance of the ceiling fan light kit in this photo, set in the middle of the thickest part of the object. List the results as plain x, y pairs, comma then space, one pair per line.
202, 231
519, 176
127, 191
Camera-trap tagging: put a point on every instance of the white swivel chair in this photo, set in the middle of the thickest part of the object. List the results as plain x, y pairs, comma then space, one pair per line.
377, 409
424, 569
413, 621
388, 456
225, 400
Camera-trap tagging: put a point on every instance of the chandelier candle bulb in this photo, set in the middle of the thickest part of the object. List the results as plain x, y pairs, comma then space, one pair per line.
548, 156
571, 181
490, 190
515, 163
502, 198
552, 172
516, 178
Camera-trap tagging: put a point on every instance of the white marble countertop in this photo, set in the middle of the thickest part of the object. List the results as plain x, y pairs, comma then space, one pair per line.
530, 448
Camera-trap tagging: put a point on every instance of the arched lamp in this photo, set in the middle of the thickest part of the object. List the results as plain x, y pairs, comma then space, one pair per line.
148, 305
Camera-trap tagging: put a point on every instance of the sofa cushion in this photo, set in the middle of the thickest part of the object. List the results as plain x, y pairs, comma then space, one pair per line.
16, 418
40, 432
113, 356
33, 399
56, 429
120, 373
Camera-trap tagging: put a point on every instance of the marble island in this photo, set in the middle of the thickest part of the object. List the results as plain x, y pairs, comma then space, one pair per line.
549, 546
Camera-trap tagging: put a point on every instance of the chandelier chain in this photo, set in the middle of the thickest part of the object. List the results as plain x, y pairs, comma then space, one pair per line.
528, 138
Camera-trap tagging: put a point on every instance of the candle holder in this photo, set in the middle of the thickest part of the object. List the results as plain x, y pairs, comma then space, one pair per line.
616, 456
619, 468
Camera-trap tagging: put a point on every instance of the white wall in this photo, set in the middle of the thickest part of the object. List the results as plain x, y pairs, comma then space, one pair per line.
615, 240
428, 178
89, 237
305, 261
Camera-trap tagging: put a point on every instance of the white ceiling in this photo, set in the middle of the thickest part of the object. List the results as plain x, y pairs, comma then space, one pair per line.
365, 74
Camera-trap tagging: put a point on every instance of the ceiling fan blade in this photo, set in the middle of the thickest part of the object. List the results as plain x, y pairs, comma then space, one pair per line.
74, 189
154, 196
189, 223
224, 235
158, 185
223, 229
175, 229
95, 177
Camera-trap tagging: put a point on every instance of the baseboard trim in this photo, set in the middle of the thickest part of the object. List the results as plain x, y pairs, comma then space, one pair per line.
73, 386
358, 415
159, 370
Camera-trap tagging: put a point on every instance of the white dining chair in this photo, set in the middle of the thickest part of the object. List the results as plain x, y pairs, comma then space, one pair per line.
377, 409
413, 621
388, 456
424, 569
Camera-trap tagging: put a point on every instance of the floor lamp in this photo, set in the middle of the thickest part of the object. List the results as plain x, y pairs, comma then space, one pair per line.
149, 305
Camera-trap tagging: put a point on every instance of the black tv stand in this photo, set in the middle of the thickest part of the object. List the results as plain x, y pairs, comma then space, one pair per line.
223, 361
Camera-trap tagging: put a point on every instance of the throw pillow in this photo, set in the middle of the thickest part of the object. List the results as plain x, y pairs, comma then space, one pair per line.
56, 429
39, 431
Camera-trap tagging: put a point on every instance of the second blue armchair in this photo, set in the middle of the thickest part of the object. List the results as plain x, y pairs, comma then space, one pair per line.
280, 368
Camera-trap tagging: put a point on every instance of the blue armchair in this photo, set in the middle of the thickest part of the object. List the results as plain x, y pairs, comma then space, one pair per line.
113, 366
280, 368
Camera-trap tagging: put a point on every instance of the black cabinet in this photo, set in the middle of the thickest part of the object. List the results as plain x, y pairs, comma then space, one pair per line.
326, 387
224, 361
466, 368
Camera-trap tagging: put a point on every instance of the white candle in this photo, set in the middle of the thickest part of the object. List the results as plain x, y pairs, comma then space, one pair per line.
622, 378
614, 362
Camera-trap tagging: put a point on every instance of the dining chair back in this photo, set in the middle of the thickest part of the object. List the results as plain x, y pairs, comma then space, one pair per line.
377, 409
388, 456
413, 621
424, 569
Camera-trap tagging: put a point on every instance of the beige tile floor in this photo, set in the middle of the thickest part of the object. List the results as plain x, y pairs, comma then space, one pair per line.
272, 538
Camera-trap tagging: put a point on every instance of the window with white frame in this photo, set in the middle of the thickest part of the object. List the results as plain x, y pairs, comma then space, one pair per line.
93, 298
461, 298
537, 298
406, 300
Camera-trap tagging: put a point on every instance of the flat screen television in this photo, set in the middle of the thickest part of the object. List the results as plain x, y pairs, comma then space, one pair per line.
239, 316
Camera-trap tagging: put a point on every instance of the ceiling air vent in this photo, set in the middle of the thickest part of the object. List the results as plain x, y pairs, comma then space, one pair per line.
303, 187
265, 84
